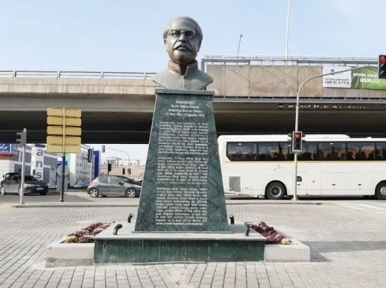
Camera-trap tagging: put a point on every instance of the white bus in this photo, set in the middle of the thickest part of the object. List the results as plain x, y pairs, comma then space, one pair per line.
329, 165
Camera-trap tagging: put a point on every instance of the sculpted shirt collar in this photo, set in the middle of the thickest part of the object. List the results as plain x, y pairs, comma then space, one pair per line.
175, 68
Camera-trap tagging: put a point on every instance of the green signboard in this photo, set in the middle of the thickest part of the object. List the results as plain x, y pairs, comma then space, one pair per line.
367, 78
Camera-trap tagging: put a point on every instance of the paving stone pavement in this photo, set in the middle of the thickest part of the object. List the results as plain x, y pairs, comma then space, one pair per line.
348, 250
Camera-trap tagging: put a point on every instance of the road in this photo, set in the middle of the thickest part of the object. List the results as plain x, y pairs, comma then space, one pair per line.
359, 204
73, 196
50, 197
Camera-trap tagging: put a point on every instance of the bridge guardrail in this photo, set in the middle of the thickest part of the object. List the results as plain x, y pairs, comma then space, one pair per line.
263, 60
205, 60
278, 60
76, 74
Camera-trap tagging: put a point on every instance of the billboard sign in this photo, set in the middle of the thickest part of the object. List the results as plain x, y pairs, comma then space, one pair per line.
338, 80
360, 78
367, 78
7, 148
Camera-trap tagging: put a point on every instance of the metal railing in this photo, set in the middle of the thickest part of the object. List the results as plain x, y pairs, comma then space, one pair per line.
274, 60
262, 60
76, 74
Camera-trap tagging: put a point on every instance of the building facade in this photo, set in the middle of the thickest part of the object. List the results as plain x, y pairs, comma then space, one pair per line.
46, 166
80, 169
119, 166
38, 162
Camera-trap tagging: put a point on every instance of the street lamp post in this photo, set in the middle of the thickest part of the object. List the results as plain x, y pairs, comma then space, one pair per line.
128, 157
297, 118
287, 28
238, 47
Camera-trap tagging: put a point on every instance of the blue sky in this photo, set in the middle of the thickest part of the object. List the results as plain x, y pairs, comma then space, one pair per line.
124, 35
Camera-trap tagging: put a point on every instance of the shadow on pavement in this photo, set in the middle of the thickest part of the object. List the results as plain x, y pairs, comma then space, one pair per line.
320, 247
304, 198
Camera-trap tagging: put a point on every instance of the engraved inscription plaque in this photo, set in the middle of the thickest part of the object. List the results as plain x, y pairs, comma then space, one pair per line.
182, 188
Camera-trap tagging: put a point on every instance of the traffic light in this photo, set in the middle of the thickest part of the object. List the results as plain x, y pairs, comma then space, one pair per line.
109, 167
382, 67
103, 148
21, 137
89, 155
297, 141
123, 171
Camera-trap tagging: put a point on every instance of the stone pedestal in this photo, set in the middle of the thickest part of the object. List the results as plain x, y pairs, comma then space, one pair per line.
182, 188
182, 212
159, 247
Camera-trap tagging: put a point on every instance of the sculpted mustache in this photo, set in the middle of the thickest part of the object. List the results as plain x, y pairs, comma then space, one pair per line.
184, 46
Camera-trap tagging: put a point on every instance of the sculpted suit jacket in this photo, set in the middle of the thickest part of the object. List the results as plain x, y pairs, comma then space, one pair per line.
193, 79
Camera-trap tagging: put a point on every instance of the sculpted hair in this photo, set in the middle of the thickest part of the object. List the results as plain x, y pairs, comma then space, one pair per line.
186, 18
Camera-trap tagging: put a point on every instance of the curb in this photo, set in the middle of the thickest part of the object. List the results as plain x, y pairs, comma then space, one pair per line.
112, 204
73, 204
271, 202
60, 254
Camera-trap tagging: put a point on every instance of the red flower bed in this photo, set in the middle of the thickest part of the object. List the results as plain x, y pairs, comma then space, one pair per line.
273, 237
87, 234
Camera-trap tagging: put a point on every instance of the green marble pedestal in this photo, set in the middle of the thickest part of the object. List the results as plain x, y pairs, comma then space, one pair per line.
182, 188
182, 212
159, 247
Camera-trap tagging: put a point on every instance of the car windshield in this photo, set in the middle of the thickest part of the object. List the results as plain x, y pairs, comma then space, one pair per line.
30, 178
129, 180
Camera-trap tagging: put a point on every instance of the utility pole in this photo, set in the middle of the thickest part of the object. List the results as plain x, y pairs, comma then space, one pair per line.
22, 140
90, 159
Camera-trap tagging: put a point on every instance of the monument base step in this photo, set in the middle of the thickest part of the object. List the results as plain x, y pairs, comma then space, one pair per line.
61, 254
157, 247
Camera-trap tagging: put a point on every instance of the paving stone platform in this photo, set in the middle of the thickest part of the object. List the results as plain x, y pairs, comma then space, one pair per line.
347, 250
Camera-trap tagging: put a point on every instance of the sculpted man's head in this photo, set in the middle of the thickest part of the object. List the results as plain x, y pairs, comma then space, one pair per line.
182, 38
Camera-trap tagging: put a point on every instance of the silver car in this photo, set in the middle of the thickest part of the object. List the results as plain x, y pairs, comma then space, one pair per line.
12, 184
110, 185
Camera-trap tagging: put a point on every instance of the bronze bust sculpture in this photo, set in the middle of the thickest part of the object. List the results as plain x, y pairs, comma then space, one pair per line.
182, 38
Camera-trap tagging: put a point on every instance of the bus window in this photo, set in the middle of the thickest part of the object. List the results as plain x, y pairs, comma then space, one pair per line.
380, 152
309, 151
271, 151
360, 151
241, 151
283, 151
332, 151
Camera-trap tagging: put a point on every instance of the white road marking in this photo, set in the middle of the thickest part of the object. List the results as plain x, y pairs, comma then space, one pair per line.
372, 207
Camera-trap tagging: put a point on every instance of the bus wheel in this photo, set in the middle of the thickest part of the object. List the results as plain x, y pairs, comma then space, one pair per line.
380, 191
275, 190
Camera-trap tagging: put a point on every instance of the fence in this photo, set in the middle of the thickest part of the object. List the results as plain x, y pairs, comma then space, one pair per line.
75, 74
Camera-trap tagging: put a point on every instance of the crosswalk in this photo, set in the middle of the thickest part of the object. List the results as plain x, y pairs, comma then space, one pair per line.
373, 206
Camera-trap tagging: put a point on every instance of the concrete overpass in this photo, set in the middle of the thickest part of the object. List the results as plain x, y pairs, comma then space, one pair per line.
252, 95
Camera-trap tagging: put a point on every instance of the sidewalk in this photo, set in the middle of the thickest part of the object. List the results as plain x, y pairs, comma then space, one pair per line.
348, 249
